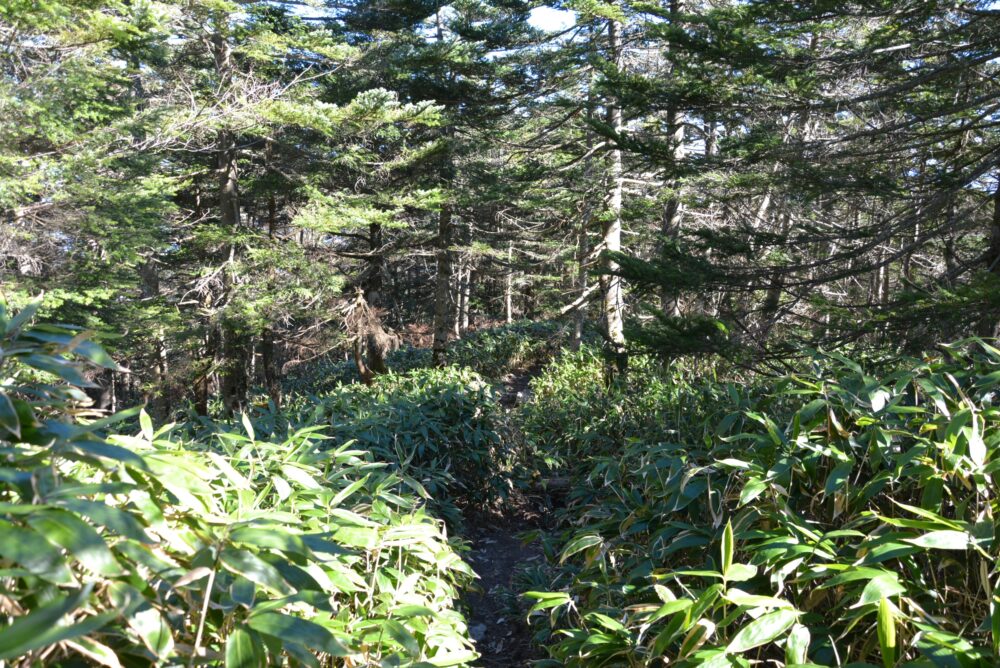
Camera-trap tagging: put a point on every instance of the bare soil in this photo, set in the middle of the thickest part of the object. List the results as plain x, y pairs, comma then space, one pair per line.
496, 619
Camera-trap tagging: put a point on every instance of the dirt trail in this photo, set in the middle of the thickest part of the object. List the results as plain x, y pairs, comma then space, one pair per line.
496, 620
496, 613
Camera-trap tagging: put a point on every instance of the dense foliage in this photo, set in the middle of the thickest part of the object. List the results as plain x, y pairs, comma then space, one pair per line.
151, 548
357, 289
828, 517
208, 183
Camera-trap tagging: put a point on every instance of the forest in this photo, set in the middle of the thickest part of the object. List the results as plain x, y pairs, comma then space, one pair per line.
427, 333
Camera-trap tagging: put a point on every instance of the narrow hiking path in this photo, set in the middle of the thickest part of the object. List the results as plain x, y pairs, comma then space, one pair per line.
496, 622
496, 618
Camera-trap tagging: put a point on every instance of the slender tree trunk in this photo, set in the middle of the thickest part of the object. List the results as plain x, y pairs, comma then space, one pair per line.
465, 298
508, 286
456, 295
673, 208
269, 366
150, 281
582, 259
611, 285
232, 344
376, 279
442, 287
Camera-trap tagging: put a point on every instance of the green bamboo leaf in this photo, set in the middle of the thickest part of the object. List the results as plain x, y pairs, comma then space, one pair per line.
547, 600
838, 478
728, 547
95, 651
41, 627
248, 426
696, 637
887, 632
762, 630
399, 633
878, 588
742, 598
255, 569
995, 618
29, 549
294, 629
244, 649
797, 646
153, 630
579, 544
8, 415
754, 488
945, 539
94, 353
79, 538
115, 519
740, 572
24, 315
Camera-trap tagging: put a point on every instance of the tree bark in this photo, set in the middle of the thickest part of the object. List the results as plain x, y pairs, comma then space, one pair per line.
673, 208
612, 230
269, 367
442, 287
465, 297
508, 286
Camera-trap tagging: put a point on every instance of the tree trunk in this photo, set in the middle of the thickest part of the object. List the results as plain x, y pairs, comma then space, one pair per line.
150, 282
456, 295
465, 297
582, 258
442, 287
508, 286
672, 209
612, 242
269, 367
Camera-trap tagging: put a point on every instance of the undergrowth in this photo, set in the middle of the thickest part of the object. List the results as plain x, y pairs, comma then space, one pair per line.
829, 517
843, 514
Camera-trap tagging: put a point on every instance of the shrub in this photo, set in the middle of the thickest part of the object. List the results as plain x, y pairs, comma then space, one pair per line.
149, 550
832, 518
442, 427
573, 413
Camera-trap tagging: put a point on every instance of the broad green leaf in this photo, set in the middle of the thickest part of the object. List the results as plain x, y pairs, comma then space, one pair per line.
728, 547
880, 587
153, 630
754, 488
696, 637
797, 645
887, 632
255, 569
762, 630
86, 545
295, 629
243, 649
740, 572
146, 425
579, 544
9, 419
29, 549
248, 426
547, 600
41, 627
95, 651
742, 598
946, 539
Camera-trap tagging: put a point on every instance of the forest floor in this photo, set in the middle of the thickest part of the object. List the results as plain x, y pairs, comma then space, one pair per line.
496, 620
